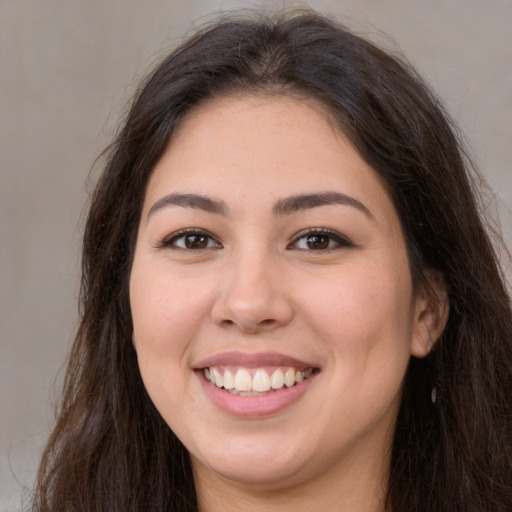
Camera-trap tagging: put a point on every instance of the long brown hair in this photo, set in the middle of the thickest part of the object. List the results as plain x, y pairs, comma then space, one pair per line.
110, 449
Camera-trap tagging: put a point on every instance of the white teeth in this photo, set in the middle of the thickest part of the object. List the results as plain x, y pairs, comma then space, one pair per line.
243, 384
243, 380
289, 377
229, 380
260, 381
277, 379
219, 378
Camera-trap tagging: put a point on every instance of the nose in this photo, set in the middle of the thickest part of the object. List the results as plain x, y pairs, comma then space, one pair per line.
253, 295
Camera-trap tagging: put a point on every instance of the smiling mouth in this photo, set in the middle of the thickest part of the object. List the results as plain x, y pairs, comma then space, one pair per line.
256, 381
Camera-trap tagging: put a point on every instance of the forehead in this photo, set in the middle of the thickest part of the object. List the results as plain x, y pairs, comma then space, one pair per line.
239, 148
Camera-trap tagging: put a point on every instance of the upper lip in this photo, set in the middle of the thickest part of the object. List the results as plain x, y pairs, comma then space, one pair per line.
255, 360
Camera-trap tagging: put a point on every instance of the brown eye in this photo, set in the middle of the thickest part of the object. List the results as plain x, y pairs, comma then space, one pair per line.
191, 240
317, 242
196, 241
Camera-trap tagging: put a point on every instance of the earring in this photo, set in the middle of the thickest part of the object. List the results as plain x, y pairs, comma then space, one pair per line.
433, 395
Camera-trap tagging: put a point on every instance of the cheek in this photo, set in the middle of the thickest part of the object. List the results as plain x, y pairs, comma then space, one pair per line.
166, 308
364, 320
361, 298
364, 315
167, 314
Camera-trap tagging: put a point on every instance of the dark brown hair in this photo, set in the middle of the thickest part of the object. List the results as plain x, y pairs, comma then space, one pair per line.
110, 449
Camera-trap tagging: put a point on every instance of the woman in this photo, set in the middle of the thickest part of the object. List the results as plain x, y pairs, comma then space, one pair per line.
289, 299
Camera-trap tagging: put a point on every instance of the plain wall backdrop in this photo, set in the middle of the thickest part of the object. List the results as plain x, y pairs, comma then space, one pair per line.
67, 69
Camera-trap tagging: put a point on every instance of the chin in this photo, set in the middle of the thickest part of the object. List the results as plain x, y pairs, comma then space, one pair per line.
258, 462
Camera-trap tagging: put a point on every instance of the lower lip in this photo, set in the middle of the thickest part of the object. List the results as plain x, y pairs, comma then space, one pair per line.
254, 406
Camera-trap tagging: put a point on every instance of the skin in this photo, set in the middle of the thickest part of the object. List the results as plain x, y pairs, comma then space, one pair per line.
260, 285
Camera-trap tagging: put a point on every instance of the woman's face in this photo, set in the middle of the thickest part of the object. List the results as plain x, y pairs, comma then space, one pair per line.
270, 259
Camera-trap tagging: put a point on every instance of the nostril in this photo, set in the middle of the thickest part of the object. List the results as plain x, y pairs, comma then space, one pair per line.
249, 326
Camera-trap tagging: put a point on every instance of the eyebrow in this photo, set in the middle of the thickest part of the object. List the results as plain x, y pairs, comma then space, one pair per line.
195, 201
284, 206
305, 201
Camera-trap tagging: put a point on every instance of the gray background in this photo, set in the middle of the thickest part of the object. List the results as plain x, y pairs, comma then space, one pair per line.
67, 69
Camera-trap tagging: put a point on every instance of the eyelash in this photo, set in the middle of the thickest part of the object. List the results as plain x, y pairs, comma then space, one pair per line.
329, 234
170, 241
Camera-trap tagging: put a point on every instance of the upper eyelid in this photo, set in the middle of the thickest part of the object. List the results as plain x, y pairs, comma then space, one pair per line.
341, 242
187, 231
322, 231
297, 236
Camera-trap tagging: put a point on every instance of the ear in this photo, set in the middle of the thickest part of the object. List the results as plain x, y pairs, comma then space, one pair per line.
431, 313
